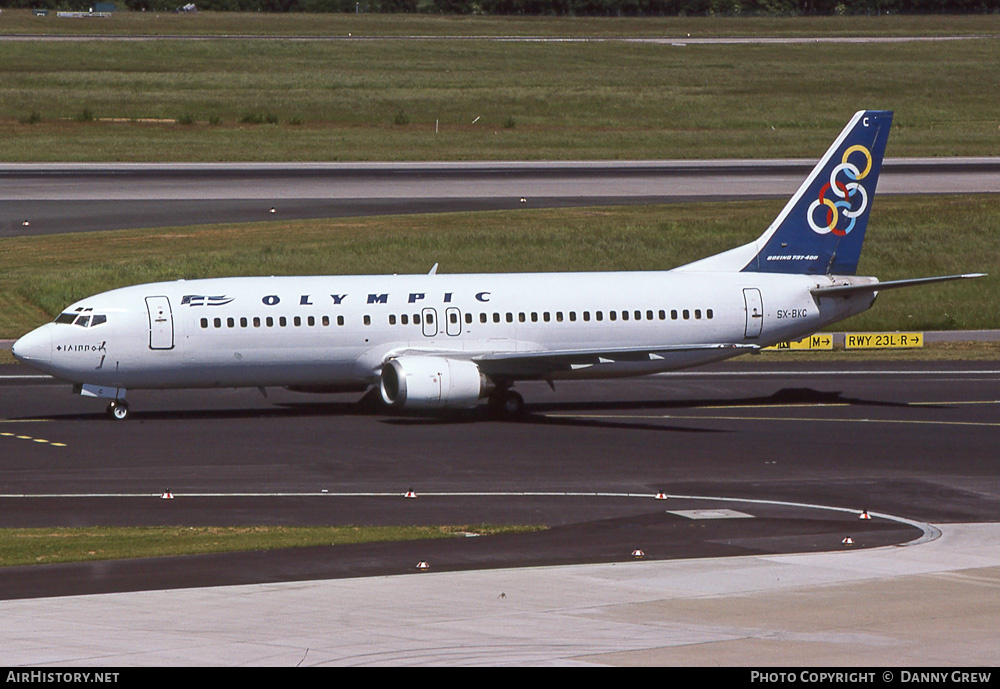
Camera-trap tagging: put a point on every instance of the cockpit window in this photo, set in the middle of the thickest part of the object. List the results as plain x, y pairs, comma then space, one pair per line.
83, 320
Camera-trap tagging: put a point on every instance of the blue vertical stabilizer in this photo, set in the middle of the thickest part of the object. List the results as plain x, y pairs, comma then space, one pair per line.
821, 229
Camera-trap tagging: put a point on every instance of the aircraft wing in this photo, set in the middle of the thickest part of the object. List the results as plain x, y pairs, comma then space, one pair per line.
539, 363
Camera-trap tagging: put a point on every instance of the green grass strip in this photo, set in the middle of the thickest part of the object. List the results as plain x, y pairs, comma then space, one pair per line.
244, 100
50, 545
909, 236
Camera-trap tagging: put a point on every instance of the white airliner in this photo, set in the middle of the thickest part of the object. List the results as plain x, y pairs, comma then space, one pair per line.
448, 341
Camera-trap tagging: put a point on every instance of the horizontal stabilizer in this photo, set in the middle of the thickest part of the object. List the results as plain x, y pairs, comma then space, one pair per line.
849, 290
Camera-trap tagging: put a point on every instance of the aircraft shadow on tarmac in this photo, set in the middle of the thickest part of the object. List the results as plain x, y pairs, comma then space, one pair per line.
539, 413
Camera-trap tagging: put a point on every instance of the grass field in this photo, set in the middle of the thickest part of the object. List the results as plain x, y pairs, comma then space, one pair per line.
87, 544
457, 100
907, 237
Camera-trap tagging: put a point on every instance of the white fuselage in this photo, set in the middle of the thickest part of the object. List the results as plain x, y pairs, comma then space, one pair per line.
337, 332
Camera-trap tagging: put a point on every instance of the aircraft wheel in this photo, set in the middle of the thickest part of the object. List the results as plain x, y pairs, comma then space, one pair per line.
118, 410
507, 404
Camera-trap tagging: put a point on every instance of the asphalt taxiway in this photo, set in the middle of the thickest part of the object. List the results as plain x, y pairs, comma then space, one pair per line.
64, 197
757, 554
757, 461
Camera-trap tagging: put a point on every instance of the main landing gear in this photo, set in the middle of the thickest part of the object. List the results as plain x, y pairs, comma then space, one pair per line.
118, 410
506, 404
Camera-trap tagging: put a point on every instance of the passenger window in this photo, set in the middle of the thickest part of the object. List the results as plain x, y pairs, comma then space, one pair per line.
708, 314
270, 322
282, 321
256, 321
217, 322
298, 321
326, 320
392, 319
340, 320
687, 314
404, 319
204, 322
697, 314
368, 320
673, 314
244, 322
231, 322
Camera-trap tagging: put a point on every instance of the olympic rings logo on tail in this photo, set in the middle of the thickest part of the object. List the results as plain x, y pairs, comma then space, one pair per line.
849, 198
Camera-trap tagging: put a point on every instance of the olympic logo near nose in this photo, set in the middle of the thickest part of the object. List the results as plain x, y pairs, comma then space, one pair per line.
847, 200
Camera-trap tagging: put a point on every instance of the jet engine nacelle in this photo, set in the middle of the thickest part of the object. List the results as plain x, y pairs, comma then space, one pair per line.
429, 382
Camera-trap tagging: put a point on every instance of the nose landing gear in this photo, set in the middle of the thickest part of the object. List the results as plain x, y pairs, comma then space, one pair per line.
118, 410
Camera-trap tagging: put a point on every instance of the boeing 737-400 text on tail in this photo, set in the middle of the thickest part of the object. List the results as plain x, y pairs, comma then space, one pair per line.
448, 341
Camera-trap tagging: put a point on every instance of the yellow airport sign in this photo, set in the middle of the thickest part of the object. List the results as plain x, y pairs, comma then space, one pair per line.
818, 341
883, 340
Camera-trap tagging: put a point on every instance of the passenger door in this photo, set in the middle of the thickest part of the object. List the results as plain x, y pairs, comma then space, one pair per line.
161, 323
755, 312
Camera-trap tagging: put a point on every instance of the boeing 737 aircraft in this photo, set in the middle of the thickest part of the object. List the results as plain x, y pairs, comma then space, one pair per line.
448, 341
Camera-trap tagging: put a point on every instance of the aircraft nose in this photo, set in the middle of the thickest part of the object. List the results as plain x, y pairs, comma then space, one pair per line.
35, 348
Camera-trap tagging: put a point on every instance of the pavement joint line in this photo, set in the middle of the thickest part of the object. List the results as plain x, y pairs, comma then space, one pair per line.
839, 372
693, 417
